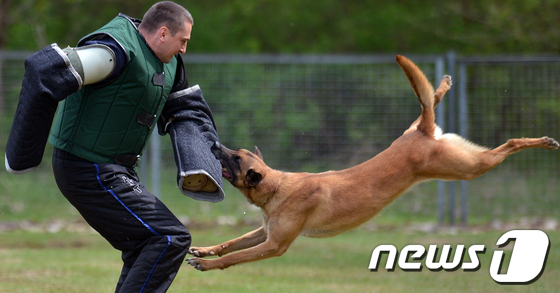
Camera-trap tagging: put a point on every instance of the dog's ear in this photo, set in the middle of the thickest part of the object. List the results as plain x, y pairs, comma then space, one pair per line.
253, 177
258, 153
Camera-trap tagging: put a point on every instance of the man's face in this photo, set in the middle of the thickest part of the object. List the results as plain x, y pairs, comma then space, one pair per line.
171, 45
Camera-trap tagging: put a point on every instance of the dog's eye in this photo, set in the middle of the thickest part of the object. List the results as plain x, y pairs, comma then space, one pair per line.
236, 158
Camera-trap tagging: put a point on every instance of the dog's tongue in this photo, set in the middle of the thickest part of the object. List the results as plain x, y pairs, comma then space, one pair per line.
225, 173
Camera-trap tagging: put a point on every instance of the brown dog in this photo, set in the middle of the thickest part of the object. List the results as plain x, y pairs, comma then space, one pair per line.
326, 204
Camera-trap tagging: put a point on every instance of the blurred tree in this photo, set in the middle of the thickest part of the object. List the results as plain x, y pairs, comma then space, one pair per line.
33, 24
294, 26
5, 20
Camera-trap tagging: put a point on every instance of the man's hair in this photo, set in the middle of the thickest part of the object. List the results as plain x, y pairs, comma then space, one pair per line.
168, 14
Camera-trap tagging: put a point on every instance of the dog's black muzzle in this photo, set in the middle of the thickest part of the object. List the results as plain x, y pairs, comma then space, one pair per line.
229, 167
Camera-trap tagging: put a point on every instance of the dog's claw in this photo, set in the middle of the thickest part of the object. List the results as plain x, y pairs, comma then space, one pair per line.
447, 78
193, 261
200, 252
551, 143
193, 252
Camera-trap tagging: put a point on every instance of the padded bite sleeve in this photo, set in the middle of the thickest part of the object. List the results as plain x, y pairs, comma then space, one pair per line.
192, 130
48, 79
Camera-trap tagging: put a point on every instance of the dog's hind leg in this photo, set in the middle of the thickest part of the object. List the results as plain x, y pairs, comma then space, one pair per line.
459, 159
515, 145
443, 88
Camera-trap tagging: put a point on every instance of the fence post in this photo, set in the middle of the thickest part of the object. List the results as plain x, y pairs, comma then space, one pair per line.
463, 131
155, 163
451, 59
440, 121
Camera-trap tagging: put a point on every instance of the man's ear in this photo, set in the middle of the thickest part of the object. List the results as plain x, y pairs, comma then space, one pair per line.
163, 32
253, 177
258, 153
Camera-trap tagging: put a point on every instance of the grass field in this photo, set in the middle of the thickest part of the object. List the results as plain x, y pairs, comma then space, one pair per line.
46, 247
84, 262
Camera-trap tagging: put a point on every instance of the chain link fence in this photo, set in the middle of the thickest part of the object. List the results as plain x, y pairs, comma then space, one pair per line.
316, 113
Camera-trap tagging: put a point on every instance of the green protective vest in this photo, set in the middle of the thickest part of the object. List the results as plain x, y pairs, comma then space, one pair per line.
103, 123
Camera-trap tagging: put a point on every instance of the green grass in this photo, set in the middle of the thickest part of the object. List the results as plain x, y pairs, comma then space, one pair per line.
75, 259
84, 262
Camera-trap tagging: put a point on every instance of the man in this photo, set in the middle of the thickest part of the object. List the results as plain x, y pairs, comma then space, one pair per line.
119, 81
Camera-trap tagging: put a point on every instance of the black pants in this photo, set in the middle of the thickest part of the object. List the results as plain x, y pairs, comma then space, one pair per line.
110, 198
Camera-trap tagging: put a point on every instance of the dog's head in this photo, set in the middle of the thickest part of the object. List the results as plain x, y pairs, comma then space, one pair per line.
242, 168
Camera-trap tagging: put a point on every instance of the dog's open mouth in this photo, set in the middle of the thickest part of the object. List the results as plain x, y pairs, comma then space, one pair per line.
225, 173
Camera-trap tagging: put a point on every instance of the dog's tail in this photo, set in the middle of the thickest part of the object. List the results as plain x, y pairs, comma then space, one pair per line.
425, 93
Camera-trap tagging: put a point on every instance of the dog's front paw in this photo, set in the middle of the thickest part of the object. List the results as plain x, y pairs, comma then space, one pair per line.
201, 251
196, 263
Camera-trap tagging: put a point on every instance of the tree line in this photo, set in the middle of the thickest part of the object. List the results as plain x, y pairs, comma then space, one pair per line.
302, 27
